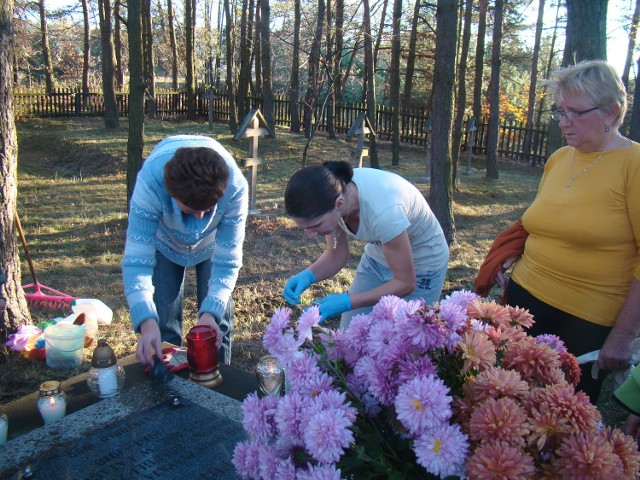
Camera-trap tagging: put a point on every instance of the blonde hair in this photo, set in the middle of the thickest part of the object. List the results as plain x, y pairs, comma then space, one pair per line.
596, 79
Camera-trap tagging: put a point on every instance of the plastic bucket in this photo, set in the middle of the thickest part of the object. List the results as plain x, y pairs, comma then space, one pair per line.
63, 345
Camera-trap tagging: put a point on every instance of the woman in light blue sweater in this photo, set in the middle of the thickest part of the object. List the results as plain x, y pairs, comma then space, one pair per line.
188, 209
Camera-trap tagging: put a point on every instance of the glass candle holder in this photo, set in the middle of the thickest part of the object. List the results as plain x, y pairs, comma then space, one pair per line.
52, 401
4, 428
105, 378
270, 375
202, 354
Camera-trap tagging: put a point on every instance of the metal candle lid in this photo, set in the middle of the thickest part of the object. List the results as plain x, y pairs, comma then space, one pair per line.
49, 388
103, 355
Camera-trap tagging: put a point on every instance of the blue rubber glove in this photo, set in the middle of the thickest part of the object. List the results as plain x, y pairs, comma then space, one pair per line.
333, 304
296, 285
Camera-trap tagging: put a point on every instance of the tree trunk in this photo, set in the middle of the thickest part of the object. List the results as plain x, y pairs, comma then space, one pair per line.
190, 80
257, 55
86, 50
16, 311
533, 83
440, 193
135, 142
462, 90
147, 55
394, 83
585, 16
46, 51
370, 80
174, 48
633, 30
376, 49
311, 97
245, 60
338, 77
411, 55
117, 43
330, 102
477, 84
267, 82
494, 93
111, 114
231, 85
634, 127
294, 89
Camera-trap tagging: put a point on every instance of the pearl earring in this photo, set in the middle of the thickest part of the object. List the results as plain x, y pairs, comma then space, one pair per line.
607, 128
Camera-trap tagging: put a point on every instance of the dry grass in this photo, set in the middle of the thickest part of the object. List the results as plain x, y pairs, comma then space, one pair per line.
72, 201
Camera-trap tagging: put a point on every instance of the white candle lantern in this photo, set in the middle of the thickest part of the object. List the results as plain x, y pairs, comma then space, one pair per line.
4, 428
52, 402
106, 377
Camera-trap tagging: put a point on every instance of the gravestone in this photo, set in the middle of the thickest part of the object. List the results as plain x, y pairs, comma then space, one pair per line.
140, 434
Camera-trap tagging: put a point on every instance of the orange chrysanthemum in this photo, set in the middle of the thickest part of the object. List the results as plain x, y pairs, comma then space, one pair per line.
496, 382
588, 456
489, 312
561, 400
478, 352
503, 335
500, 460
533, 360
547, 430
626, 448
501, 419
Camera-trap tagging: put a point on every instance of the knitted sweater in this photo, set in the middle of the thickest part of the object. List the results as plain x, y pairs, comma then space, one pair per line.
157, 224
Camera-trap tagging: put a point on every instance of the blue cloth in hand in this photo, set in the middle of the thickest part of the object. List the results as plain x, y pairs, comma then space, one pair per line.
296, 285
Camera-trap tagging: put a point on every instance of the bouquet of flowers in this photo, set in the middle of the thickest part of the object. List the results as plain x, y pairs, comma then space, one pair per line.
454, 390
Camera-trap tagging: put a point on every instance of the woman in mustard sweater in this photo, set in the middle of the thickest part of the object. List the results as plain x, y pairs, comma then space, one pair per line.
579, 274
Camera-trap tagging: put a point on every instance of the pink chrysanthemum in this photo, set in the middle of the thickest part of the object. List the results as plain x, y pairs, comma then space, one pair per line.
547, 430
553, 341
291, 416
533, 360
302, 370
478, 352
309, 318
358, 387
423, 403
570, 367
496, 382
502, 335
258, 415
500, 419
386, 308
411, 366
442, 450
562, 400
520, 316
246, 459
319, 472
357, 332
334, 399
328, 434
489, 312
500, 460
625, 447
381, 335
588, 456
425, 330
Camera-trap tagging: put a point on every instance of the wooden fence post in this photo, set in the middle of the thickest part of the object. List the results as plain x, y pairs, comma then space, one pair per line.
253, 127
471, 141
362, 128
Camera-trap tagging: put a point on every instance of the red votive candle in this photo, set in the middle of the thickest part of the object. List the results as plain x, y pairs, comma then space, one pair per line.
202, 353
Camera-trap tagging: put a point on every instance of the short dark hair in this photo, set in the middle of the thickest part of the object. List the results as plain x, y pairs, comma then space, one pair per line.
312, 191
196, 176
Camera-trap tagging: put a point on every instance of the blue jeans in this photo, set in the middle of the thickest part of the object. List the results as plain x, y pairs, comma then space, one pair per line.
371, 274
168, 281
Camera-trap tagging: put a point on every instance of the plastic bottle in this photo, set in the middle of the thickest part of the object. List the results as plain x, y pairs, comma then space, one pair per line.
93, 306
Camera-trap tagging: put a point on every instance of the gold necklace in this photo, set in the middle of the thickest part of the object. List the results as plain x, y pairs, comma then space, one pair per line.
573, 178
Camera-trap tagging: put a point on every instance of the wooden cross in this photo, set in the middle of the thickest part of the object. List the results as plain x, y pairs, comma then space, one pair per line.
361, 127
211, 97
471, 141
253, 127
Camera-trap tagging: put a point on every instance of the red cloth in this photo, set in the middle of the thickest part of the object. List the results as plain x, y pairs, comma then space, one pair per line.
508, 244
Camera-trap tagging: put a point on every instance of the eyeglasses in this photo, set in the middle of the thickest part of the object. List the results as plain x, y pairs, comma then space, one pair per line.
569, 114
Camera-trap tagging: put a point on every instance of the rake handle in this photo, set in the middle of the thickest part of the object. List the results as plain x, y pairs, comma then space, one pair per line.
26, 249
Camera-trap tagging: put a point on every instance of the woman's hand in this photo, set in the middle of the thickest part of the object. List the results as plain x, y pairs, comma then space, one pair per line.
149, 337
632, 426
207, 319
500, 279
